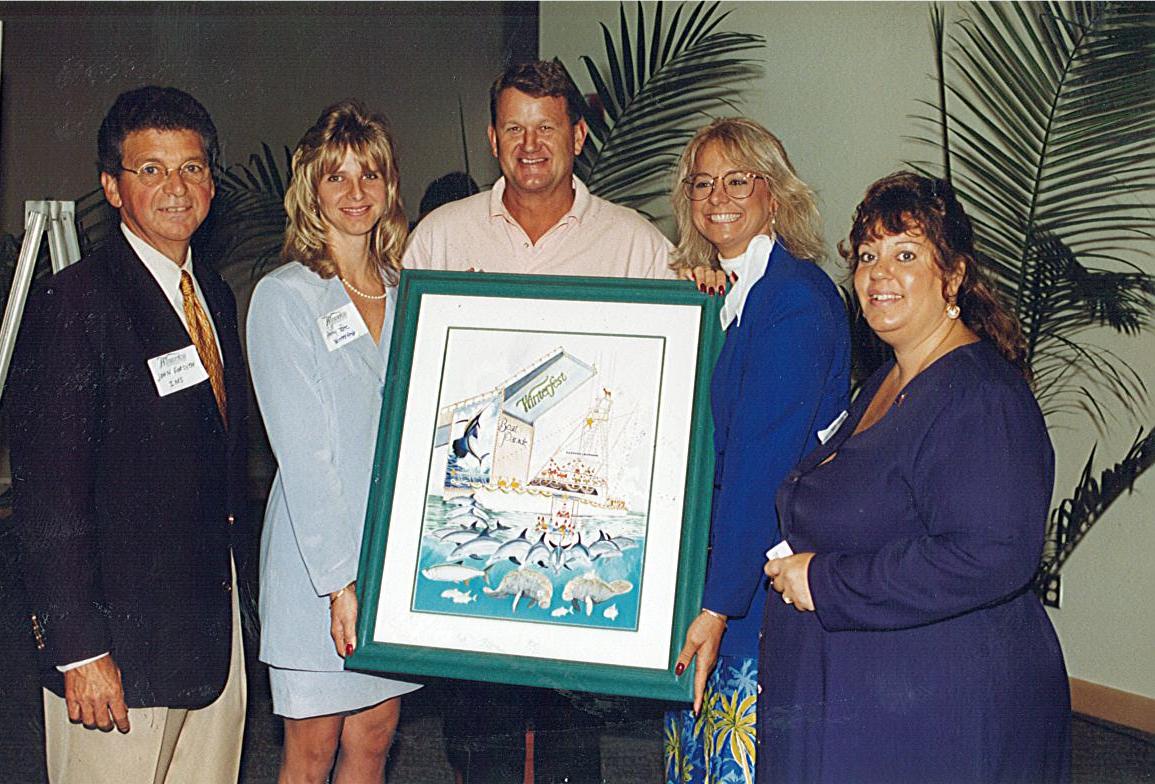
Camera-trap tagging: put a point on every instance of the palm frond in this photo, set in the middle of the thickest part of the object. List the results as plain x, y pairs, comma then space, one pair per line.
1045, 121
1074, 517
655, 92
247, 223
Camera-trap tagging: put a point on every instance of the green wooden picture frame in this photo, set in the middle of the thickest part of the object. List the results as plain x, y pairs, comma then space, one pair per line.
572, 647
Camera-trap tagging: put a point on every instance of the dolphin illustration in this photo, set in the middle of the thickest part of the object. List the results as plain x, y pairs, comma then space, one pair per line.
604, 548
515, 549
466, 510
577, 556
481, 546
457, 535
466, 445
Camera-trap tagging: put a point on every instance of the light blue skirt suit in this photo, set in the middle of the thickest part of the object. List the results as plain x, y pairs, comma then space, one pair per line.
321, 410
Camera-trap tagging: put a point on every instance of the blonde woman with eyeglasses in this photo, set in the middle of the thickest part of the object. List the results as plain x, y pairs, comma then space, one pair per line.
780, 381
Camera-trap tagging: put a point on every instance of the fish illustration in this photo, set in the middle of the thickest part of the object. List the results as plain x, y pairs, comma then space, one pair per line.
454, 573
526, 582
458, 597
467, 444
589, 589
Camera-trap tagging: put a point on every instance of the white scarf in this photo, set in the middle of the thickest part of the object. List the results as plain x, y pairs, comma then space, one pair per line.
750, 266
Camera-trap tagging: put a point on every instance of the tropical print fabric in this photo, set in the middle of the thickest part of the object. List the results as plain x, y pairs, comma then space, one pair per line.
717, 746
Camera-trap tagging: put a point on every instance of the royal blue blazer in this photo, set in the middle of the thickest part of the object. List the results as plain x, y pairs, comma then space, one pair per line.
782, 375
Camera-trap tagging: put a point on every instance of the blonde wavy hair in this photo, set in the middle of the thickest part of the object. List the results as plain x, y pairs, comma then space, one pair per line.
342, 127
752, 148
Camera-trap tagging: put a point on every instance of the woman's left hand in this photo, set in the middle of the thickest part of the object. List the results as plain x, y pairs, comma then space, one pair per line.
789, 576
343, 620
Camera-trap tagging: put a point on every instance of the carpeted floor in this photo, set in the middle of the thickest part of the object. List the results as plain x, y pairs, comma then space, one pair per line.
630, 740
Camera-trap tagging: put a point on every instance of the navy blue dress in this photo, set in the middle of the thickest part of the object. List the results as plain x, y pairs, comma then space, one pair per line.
929, 659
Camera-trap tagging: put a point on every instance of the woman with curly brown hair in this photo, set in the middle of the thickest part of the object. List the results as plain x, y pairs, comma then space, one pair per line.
318, 339
907, 645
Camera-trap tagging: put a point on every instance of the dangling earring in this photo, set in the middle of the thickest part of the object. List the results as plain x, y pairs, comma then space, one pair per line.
953, 311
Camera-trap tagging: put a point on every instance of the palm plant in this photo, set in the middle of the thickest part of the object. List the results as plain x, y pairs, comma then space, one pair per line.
1045, 120
656, 90
247, 222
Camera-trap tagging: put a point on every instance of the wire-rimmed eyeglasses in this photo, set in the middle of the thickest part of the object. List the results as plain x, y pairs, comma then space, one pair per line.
736, 184
153, 173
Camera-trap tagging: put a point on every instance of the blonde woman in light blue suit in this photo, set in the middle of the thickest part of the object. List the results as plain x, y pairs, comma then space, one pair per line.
318, 341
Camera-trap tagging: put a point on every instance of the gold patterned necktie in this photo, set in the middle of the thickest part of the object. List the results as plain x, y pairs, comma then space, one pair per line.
201, 332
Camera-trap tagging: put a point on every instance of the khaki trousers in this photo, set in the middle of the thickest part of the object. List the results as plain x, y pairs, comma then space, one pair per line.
163, 746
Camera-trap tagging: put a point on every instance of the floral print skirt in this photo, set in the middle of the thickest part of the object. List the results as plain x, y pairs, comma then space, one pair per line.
716, 747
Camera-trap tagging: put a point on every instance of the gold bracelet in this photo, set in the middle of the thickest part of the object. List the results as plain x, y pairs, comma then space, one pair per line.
334, 597
718, 615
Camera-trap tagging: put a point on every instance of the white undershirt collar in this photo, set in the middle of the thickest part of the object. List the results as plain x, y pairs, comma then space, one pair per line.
750, 266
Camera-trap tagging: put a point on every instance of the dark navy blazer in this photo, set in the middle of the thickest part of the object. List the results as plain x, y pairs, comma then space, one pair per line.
125, 500
782, 375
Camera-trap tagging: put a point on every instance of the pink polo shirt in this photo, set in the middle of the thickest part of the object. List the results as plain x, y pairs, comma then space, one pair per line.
594, 238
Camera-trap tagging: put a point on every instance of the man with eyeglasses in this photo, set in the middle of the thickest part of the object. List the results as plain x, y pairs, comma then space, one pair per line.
127, 408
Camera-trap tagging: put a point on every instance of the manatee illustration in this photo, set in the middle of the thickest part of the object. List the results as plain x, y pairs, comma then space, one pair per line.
526, 582
589, 589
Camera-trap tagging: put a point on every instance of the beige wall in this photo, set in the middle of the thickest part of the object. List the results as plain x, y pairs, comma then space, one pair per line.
841, 80
264, 71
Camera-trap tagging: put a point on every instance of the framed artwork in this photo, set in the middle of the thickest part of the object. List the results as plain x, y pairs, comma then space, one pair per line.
542, 482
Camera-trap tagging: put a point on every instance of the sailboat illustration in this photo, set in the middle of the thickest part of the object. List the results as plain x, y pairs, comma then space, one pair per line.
573, 482
492, 457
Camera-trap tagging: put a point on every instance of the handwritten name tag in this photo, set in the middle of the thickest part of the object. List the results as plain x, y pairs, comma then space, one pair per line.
826, 433
177, 370
341, 326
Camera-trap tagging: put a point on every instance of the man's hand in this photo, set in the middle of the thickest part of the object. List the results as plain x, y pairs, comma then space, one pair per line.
343, 620
95, 696
702, 641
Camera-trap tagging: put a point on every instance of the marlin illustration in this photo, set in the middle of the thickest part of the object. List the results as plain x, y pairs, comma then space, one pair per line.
467, 444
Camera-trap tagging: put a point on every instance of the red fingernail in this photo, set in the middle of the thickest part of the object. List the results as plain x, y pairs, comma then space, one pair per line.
348, 649
678, 670
711, 291
702, 287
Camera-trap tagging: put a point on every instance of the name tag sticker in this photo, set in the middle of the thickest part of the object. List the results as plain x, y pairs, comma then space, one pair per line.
826, 433
177, 370
341, 326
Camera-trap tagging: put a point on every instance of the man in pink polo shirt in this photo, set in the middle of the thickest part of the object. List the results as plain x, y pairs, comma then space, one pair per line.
538, 218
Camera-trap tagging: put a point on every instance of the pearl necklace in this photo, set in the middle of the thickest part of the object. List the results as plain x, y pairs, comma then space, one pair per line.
360, 293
